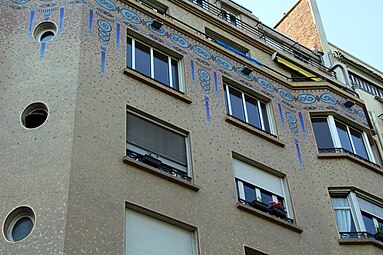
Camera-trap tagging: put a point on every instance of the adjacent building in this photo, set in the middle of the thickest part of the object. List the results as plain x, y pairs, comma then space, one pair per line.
177, 127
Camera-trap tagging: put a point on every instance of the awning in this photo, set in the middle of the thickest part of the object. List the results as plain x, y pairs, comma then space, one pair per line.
292, 66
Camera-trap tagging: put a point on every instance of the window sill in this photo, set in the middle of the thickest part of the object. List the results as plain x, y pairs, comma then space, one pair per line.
361, 241
269, 217
254, 131
157, 85
354, 159
160, 173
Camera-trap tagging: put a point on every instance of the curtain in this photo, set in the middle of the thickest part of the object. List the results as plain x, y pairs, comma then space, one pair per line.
342, 214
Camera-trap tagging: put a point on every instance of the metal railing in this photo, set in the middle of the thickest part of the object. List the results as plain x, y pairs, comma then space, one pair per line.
163, 167
341, 150
292, 47
243, 201
266, 67
348, 235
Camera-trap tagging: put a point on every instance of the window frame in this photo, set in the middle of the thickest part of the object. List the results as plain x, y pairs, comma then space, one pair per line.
165, 220
352, 197
155, 6
269, 111
335, 137
170, 57
166, 161
228, 12
240, 191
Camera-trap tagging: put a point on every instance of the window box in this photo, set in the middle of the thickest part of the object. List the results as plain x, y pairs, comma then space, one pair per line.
280, 213
259, 205
151, 161
379, 236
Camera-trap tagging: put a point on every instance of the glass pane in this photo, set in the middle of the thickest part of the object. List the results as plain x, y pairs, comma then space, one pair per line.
249, 192
129, 53
175, 75
22, 228
344, 220
322, 133
357, 139
265, 118
343, 136
236, 104
368, 223
266, 196
253, 112
142, 59
161, 68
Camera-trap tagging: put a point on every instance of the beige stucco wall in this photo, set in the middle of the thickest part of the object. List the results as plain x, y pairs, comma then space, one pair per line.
76, 180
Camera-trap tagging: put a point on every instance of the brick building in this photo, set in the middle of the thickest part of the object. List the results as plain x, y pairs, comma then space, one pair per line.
177, 127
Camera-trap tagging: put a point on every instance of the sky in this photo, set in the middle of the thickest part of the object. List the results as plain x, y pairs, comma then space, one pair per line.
353, 25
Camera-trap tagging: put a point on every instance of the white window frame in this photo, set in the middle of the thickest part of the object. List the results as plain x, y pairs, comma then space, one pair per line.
285, 194
139, 150
356, 212
152, 67
336, 140
162, 221
269, 111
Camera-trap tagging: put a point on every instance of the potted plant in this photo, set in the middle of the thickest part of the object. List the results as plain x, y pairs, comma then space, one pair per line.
277, 209
258, 204
379, 233
151, 159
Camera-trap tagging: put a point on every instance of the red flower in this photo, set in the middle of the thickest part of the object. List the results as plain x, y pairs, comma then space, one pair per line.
277, 204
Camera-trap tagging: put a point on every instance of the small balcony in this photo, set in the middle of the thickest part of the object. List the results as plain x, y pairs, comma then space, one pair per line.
344, 151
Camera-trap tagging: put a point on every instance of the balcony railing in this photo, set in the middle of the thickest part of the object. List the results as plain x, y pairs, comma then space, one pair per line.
348, 235
163, 167
341, 150
290, 46
292, 49
265, 210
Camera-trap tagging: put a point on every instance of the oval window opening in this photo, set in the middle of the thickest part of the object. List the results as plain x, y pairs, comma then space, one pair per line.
34, 115
19, 224
45, 31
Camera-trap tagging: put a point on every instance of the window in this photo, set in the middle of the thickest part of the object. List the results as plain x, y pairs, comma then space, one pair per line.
227, 43
333, 135
249, 109
260, 189
148, 235
201, 3
19, 224
230, 15
158, 145
155, 6
154, 63
357, 215
249, 251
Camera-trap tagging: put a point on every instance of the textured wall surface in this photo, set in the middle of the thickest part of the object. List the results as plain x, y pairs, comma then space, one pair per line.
306, 32
70, 170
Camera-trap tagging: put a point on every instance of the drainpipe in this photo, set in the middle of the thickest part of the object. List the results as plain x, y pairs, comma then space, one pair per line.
377, 138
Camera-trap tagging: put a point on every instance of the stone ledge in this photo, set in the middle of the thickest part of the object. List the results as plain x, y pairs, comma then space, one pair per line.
361, 241
157, 85
354, 159
254, 131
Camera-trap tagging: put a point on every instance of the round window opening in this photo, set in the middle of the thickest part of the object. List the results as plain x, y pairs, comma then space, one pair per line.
45, 31
34, 115
19, 224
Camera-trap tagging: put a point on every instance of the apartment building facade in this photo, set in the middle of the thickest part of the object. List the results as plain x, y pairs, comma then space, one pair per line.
177, 127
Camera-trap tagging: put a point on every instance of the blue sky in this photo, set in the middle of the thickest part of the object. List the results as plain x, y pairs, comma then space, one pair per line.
353, 25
